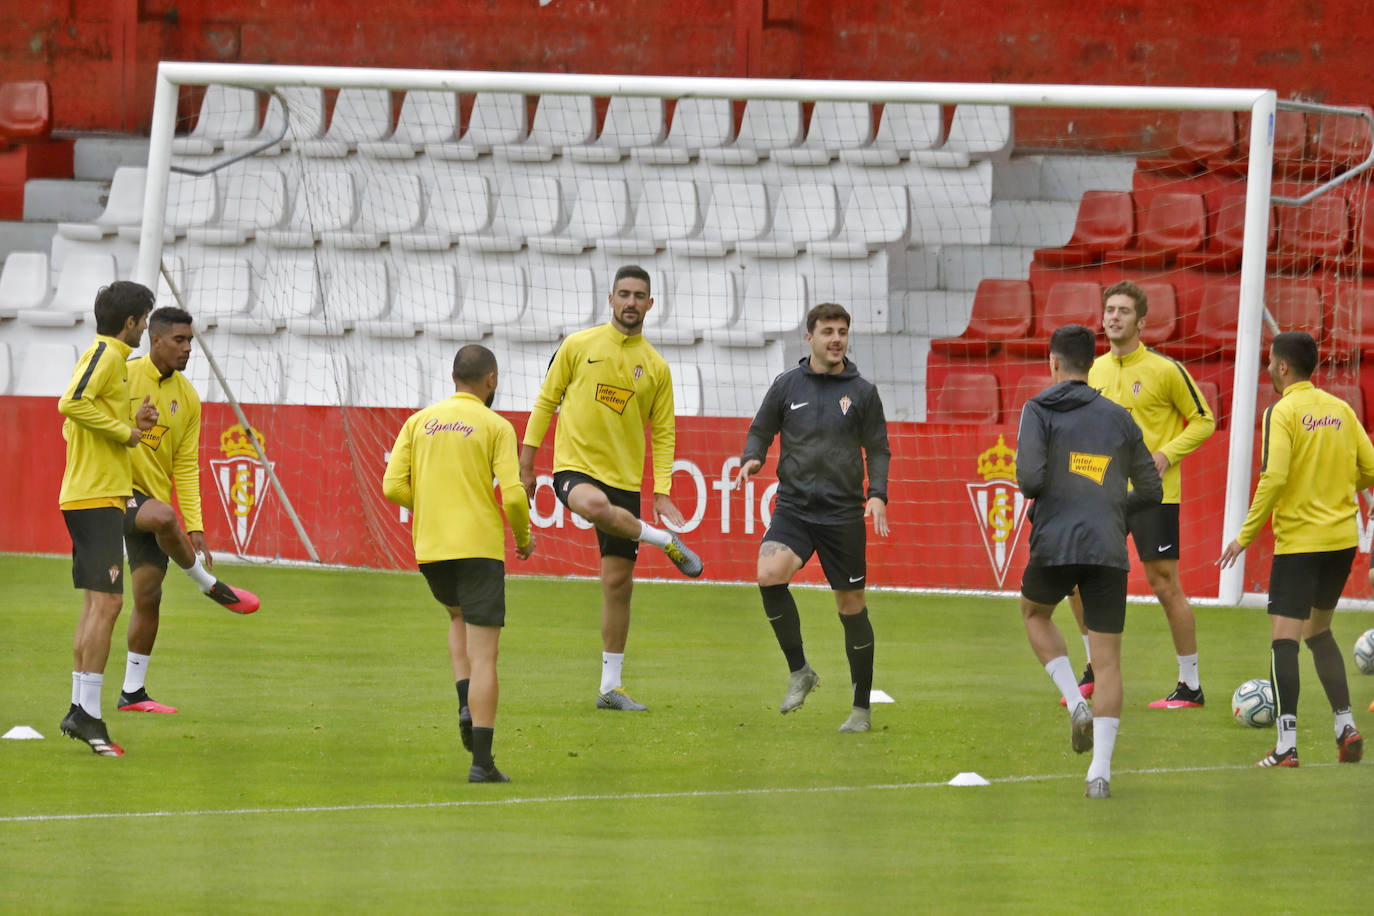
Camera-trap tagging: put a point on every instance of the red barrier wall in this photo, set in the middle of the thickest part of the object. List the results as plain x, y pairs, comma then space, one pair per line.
951, 502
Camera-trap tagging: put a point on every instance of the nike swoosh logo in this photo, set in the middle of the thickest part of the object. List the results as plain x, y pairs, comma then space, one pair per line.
856, 578
864, 646
802, 404
779, 617
1165, 547
602, 360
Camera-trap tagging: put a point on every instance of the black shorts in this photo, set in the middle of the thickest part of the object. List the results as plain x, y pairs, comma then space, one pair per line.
1102, 588
840, 547
97, 549
1155, 532
141, 546
477, 585
611, 546
1299, 582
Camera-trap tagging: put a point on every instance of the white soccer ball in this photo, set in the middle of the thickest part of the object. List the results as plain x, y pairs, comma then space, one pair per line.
1364, 652
1253, 703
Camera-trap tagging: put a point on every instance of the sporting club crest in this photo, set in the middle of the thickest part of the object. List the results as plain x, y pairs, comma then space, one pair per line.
998, 506
240, 478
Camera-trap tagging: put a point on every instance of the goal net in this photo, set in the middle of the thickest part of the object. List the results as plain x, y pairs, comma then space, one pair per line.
338, 234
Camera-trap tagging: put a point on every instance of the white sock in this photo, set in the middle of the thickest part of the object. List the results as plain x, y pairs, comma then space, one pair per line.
610, 670
1187, 671
1344, 718
91, 684
135, 672
1288, 734
1104, 740
1061, 672
204, 579
651, 535
1087, 648
76, 688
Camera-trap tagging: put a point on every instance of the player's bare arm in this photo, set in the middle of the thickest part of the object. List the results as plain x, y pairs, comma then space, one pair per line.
746, 470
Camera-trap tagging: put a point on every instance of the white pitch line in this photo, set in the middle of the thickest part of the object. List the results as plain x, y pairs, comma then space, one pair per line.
565, 799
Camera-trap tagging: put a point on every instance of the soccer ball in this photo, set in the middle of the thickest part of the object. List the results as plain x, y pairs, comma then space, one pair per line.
1364, 652
1253, 703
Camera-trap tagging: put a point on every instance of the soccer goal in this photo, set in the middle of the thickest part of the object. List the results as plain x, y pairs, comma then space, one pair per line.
339, 233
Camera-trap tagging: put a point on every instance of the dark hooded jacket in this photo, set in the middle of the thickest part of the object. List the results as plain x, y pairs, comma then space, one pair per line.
1075, 452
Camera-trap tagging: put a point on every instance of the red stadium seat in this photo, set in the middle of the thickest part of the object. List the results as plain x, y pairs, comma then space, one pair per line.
967, 397
25, 110
1363, 215
1226, 238
1068, 302
1106, 221
1026, 387
1265, 395
1001, 310
1202, 137
1162, 320
1318, 230
1167, 225
1339, 142
1290, 144
1211, 394
1294, 306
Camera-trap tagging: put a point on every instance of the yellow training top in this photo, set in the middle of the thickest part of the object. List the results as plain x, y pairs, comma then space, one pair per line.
441, 468
171, 449
1315, 457
97, 429
1165, 403
608, 389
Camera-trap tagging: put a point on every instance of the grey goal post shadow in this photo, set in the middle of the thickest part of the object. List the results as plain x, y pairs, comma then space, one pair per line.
1260, 103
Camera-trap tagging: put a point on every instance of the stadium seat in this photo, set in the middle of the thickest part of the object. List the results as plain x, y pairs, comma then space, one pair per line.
494, 296
1105, 222
1067, 302
1339, 142
360, 115
226, 113
600, 211
404, 386
903, 127
220, 289
1161, 321
687, 400
1201, 137
667, 210
697, 124
1294, 306
390, 205
258, 380
631, 122
25, 111
123, 207
1001, 311
427, 117
317, 378
496, 119
427, 298
967, 397
1166, 225
804, 214
835, 127
700, 301
560, 121
306, 122
526, 206
874, 218
45, 370
737, 212
289, 289
25, 282
1318, 230
324, 201
252, 202
81, 277
767, 125
192, 202
976, 132
773, 307
175, 266
1026, 387
460, 204
1211, 396
1226, 240
562, 300
354, 289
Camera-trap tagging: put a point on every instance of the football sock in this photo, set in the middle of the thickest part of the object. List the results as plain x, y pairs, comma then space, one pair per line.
481, 746
1288, 734
1326, 656
462, 692
858, 648
135, 672
1343, 718
204, 579
76, 688
781, 610
611, 663
1087, 650
1104, 739
1187, 671
1061, 672
651, 535
1284, 676
91, 683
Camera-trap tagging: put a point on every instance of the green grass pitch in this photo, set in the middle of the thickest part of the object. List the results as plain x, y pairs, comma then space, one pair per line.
315, 764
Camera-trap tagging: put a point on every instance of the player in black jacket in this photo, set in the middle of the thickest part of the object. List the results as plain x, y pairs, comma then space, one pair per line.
1075, 452
830, 419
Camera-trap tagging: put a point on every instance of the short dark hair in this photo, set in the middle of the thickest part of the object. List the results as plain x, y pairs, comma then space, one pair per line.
1127, 288
473, 363
120, 301
1299, 350
826, 311
1075, 347
635, 272
162, 319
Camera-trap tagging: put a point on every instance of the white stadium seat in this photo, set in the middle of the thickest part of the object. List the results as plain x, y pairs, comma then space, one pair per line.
226, 113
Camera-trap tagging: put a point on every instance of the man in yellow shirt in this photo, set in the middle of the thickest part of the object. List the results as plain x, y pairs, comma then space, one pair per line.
167, 453
100, 428
1315, 457
441, 468
1175, 420
609, 385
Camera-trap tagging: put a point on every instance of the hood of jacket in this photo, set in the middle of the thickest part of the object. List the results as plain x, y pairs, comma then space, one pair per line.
1067, 395
850, 370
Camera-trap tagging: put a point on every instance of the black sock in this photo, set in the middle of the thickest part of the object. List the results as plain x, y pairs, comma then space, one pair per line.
462, 693
481, 747
858, 646
1284, 675
1326, 655
781, 611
